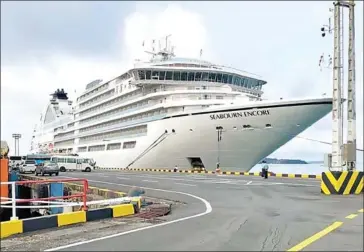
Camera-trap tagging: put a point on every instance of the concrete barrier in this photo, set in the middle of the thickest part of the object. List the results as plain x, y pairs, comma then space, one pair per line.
9, 228
342, 183
271, 174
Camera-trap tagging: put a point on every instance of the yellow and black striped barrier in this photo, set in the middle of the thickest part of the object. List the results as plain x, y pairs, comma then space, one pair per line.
342, 183
237, 173
13, 227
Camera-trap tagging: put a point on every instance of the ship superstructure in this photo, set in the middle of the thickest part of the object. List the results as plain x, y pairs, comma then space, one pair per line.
168, 111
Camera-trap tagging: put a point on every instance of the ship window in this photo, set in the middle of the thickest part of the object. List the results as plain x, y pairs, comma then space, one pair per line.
243, 82
155, 75
162, 75
184, 76
205, 76
141, 75
169, 75
212, 77
129, 145
219, 77
230, 81
249, 83
177, 76
225, 78
148, 75
114, 146
191, 76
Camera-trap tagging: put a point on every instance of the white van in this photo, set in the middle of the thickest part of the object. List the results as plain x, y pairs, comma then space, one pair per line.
72, 163
29, 166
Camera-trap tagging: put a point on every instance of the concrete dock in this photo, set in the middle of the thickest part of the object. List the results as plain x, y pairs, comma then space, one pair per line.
224, 213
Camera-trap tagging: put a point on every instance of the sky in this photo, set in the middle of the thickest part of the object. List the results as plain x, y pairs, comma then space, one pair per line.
48, 45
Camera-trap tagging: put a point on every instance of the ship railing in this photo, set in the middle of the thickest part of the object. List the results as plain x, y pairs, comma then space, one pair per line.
112, 105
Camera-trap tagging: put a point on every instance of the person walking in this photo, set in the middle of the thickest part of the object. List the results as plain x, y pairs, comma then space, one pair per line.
265, 169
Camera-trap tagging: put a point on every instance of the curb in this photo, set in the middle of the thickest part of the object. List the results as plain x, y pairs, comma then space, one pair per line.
13, 227
271, 174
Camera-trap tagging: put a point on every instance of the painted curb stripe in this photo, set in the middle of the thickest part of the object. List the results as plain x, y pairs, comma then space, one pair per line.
279, 175
39, 223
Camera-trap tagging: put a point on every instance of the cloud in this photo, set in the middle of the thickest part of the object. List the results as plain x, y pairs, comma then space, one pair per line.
146, 25
67, 45
26, 84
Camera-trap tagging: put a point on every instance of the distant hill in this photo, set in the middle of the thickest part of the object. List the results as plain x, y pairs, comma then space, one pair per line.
315, 162
284, 161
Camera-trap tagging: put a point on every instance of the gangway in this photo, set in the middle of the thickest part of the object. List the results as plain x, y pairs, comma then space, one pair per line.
160, 139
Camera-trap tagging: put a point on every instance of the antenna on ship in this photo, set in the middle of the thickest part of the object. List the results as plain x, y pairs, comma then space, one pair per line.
166, 53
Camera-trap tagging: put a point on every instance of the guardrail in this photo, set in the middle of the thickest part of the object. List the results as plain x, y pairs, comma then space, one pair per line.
48, 200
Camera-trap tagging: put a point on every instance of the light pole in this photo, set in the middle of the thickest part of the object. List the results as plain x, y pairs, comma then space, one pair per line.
16, 137
219, 137
343, 154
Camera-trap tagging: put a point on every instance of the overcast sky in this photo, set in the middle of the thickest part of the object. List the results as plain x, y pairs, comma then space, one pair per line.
49, 45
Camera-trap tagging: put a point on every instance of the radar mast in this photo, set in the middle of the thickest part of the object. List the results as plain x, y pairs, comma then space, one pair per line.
162, 54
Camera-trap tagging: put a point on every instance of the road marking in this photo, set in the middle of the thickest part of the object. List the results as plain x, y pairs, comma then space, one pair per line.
351, 216
122, 178
316, 236
185, 184
249, 182
283, 184
361, 210
239, 182
207, 211
102, 175
150, 181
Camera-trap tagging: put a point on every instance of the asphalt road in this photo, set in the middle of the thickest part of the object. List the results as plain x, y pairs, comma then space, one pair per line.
231, 213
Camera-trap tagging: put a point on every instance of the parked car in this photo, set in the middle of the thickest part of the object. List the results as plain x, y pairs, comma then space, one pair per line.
29, 166
48, 167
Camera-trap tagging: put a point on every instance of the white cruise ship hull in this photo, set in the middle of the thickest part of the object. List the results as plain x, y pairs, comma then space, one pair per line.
195, 136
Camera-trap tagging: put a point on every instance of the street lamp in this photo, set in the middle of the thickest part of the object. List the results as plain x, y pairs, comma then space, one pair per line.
219, 137
16, 137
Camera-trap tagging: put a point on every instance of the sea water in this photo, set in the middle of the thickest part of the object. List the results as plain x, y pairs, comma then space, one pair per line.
298, 168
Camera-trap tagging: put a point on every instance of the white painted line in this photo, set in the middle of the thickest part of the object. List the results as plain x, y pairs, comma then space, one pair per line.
122, 178
249, 182
150, 181
222, 182
102, 175
207, 211
185, 184
283, 184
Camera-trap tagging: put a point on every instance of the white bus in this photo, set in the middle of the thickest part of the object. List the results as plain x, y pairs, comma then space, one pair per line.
73, 163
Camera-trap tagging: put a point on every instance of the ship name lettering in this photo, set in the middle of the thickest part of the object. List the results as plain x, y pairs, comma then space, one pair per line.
239, 114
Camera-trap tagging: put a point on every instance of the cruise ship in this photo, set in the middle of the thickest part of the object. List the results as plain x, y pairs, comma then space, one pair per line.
173, 111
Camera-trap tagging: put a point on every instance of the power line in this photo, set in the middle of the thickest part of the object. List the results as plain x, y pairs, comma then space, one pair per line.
320, 141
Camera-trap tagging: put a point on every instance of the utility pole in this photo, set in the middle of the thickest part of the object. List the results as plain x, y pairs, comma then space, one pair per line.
351, 108
337, 131
343, 154
16, 143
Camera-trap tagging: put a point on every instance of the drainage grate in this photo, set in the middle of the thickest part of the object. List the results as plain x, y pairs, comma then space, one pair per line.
153, 211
